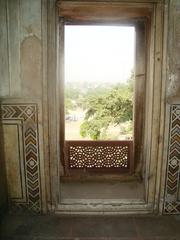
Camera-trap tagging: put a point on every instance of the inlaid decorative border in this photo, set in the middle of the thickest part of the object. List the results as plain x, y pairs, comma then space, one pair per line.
27, 113
172, 186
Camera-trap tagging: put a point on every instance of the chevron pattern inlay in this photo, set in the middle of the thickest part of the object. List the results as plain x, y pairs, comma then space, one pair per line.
28, 114
172, 188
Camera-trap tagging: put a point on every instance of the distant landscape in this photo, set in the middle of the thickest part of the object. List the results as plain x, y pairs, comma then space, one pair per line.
99, 111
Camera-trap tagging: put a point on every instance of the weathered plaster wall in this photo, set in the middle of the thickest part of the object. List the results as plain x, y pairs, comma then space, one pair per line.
171, 162
173, 89
23, 34
21, 49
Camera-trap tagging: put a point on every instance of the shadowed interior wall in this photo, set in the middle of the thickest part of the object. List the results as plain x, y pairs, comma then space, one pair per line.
3, 186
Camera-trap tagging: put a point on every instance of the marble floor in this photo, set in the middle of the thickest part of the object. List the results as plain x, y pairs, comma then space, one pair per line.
70, 227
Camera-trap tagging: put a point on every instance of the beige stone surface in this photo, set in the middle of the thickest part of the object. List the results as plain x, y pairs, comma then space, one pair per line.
3, 186
20, 49
13, 158
31, 66
173, 80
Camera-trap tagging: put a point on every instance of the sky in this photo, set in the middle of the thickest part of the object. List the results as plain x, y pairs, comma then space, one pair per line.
99, 53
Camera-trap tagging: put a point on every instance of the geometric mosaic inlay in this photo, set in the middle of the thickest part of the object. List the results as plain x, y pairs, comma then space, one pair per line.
98, 155
172, 188
28, 115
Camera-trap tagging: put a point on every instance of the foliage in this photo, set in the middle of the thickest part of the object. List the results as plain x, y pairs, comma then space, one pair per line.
103, 109
68, 105
105, 105
72, 94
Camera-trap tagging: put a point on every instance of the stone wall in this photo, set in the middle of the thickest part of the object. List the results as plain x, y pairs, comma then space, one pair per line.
173, 87
23, 34
171, 168
3, 186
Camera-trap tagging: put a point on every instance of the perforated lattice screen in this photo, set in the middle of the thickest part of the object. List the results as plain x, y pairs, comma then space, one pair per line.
98, 154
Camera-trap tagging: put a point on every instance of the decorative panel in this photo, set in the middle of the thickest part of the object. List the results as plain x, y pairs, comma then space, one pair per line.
13, 155
172, 187
99, 155
21, 124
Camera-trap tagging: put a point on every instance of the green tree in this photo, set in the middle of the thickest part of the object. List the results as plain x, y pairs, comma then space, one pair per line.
68, 105
109, 108
71, 95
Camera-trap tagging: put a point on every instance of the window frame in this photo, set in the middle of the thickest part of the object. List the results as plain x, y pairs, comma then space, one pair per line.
140, 20
152, 151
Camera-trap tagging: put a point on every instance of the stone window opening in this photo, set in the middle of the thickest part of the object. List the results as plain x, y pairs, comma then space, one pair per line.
74, 155
81, 188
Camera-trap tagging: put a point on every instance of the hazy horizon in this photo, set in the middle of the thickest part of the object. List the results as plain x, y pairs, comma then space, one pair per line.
99, 53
